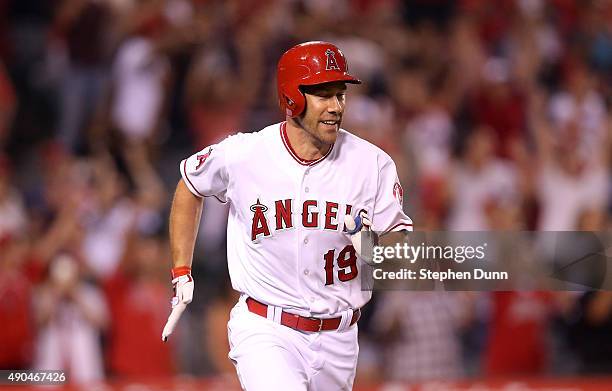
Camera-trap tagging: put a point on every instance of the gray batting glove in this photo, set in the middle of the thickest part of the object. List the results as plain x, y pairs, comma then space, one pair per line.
183, 294
361, 235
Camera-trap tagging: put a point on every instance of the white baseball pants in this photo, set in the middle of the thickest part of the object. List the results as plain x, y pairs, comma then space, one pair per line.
271, 357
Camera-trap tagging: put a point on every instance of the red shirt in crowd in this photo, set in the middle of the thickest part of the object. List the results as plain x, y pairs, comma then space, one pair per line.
518, 334
139, 310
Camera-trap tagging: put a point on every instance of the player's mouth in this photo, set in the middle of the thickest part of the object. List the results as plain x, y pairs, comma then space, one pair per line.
332, 123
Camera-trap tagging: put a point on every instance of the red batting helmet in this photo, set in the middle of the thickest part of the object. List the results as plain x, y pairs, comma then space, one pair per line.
308, 64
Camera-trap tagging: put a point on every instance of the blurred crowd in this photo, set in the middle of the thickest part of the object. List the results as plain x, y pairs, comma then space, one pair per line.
498, 115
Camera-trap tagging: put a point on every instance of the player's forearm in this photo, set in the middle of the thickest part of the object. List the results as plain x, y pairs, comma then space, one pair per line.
184, 222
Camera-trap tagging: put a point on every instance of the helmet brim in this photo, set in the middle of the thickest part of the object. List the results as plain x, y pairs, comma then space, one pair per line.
328, 77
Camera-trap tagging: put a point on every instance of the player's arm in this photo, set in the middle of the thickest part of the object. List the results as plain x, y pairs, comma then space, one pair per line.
184, 222
203, 174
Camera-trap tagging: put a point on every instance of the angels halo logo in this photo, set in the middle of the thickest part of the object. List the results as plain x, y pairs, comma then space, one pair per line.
398, 193
202, 158
331, 64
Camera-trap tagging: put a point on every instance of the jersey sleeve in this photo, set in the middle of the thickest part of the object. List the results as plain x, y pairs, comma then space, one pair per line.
389, 215
205, 172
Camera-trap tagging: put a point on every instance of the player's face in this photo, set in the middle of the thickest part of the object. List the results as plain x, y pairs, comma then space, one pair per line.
324, 109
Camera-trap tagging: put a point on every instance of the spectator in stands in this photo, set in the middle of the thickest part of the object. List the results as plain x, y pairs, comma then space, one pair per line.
138, 295
108, 221
571, 158
139, 81
517, 344
16, 339
83, 28
590, 326
499, 104
422, 333
71, 315
478, 180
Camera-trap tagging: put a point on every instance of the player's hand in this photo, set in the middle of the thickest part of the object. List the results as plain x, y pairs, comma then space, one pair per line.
182, 284
362, 237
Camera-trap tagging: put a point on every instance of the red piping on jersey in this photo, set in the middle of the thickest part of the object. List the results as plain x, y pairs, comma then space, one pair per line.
194, 188
189, 180
304, 162
395, 226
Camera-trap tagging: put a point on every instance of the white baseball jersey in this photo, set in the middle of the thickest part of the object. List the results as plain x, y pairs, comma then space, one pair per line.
286, 244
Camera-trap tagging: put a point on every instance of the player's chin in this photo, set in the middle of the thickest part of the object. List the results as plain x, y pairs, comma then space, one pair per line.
328, 137
329, 133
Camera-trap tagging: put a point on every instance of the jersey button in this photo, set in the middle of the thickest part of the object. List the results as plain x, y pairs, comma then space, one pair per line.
306, 241
312, 299
306, 272
306, 189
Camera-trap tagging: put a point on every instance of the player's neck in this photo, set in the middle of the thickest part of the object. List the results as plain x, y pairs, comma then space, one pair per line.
305, 145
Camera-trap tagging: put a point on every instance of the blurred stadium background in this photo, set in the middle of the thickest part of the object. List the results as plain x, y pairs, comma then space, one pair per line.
497, 113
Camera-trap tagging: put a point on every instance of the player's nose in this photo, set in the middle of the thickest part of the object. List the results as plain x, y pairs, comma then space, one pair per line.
335, 105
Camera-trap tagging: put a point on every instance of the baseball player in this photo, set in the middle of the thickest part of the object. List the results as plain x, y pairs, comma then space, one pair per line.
299, 192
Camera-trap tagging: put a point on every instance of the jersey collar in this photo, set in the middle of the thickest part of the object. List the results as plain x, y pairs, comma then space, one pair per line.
303, 162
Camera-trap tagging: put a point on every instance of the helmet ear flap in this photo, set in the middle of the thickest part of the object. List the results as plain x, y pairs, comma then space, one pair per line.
292, 101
